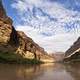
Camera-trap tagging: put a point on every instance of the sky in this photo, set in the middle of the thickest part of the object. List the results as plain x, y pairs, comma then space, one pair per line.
53, 24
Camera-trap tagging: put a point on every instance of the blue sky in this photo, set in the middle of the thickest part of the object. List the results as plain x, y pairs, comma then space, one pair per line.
53, 24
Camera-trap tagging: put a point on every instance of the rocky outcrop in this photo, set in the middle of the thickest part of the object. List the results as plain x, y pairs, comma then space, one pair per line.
73, 53
12, 41
73, 48
28, 46
6, 31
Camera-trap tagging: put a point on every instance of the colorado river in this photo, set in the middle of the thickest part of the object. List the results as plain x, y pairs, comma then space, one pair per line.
53, 71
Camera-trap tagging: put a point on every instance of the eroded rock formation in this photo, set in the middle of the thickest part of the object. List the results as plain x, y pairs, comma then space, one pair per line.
73, 53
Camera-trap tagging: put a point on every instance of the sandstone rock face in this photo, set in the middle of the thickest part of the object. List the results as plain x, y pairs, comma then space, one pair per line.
5, 31
28, 46
73, 48
73, 53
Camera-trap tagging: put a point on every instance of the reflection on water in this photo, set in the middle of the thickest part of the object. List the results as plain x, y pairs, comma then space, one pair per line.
74, 70
54, 71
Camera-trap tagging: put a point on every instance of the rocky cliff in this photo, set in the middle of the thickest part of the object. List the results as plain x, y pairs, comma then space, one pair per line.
16, 42
73, 48
73, 53
8, 34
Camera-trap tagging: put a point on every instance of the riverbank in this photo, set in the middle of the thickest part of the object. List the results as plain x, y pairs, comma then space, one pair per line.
16, 58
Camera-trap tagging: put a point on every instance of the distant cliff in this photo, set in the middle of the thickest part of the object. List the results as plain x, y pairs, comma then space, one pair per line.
16, 42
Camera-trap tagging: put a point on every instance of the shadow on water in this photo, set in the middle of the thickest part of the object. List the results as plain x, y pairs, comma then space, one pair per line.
55, 71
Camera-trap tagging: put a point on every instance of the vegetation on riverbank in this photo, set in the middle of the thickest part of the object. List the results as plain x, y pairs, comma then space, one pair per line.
16, 58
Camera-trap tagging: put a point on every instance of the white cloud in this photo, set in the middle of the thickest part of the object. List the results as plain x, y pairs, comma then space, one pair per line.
39, 25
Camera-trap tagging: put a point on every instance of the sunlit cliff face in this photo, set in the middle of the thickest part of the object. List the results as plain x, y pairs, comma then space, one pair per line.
53, 24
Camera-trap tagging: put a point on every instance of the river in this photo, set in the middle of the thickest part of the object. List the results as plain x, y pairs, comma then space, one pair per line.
55, 71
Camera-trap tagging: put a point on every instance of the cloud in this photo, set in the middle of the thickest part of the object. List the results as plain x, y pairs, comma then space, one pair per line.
50, 24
